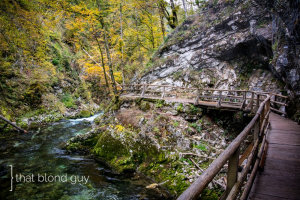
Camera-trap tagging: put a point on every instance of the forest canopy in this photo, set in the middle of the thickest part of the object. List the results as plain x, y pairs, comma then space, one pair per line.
103, 43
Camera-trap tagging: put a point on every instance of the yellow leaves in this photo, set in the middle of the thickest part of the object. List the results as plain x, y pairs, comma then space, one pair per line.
118, 77
93, 70
119, 128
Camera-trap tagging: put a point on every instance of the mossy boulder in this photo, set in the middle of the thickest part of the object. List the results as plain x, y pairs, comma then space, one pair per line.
114, 153
125, 151
85, 113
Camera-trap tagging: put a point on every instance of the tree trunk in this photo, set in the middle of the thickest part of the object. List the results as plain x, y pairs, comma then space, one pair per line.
172, 19
162, 25
184, 7
110, 65
174, 13
102, 63
11, 123
122, 49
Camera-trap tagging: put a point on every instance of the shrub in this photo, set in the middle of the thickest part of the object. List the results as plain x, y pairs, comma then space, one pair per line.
180, 108
68, 101
33, 95
55, 62
202, 147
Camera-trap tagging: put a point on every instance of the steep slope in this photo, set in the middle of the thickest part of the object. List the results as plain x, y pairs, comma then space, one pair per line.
40, 76
228, 45
232, 44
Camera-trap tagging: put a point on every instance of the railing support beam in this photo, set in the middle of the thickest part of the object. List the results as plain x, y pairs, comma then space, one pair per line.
220, 99
197, 97
232, 173
143, 91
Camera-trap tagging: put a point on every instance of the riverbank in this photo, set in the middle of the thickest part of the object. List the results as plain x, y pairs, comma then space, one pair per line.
40, 152
171, 143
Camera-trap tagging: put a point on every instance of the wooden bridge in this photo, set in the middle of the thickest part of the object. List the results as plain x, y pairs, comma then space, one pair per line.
247, 101
275, 146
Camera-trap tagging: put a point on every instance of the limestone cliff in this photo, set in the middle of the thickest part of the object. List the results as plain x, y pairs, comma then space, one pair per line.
233, 44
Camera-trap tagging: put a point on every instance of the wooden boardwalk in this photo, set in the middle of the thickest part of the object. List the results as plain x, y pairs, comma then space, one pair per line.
281, 176
275, 139
212, 104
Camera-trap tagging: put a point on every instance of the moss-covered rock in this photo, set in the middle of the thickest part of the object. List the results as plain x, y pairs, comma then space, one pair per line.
114, 152
85, 113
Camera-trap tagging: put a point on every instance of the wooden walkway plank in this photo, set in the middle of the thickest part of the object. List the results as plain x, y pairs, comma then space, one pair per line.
281, 176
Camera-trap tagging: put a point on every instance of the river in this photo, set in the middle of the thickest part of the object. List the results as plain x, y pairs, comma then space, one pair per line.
39, 155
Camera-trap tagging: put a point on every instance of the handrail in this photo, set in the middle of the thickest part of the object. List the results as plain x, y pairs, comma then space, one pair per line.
260, 105
231, 151
237, 99
192, 88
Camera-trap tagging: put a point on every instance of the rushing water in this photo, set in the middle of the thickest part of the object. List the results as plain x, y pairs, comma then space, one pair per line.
39, 153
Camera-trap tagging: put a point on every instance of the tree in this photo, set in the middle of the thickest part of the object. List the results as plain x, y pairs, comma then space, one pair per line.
171, 18
184, 7
104, 27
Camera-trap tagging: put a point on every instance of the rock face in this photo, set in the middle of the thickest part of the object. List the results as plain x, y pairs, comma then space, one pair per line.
285, 41
231, 44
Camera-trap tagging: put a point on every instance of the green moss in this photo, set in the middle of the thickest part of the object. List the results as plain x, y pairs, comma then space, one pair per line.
91, 142
169, 172
196, 126
85, 113
116, 154
175, 124
180, 108
114, 105
109, 148
120, 151
208, 194
55, 62
144, 106
33, 94
202, 147
193, 110
68, 101
74, 147
159, 103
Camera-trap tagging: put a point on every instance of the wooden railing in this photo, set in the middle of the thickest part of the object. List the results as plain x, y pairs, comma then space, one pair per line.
261, 104
237, 99
258, 128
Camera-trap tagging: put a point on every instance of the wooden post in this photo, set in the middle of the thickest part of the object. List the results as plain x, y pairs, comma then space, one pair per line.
285, 102
163, 93
197, 97
143, 91
257, 102
251, 102
256, 131
261, 119
220, 99
244, 100
232, 173
268, 106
